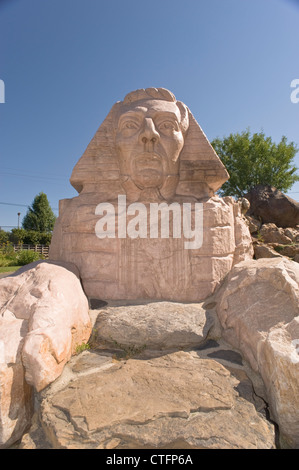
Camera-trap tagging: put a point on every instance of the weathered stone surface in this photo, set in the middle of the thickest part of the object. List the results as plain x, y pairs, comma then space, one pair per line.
51, 298
150, 151
288, 250
188, 167
176, 401
272, 206
292, 233
156, 269
264, 251
43, 317
245, 205
160, 325
254, 224
259, 311
270, 233
16, 405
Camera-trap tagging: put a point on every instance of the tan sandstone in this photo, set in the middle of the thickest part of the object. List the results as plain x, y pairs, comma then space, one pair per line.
259, 312
160, 325
270, 233
44, 315
150, 150
16, 397
174, 401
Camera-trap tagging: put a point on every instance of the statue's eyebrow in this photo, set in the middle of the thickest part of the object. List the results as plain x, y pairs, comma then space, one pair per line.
154, 114
131, 113
169, 114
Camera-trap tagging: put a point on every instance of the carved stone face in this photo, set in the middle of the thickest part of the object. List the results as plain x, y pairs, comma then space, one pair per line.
148, 142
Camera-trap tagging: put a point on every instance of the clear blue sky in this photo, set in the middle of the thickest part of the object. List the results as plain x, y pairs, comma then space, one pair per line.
65, 62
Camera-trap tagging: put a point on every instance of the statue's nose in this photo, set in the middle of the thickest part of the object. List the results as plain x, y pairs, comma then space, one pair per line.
148, 133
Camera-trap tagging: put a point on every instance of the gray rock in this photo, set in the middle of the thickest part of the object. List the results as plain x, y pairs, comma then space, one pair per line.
264, 251
271, 205
178, 400
155, 325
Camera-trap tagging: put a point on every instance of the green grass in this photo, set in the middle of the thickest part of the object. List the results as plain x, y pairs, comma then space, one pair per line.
82, 347
8, 269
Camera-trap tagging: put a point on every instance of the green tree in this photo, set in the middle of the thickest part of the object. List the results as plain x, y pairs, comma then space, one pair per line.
4, 237
17, 235
40, 216
32, 237
255, 159
45, 238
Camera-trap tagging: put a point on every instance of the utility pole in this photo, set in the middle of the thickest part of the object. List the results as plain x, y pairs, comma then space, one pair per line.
19, 213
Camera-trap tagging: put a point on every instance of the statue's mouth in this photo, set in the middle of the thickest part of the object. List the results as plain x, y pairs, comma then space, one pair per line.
148, 161
148, 170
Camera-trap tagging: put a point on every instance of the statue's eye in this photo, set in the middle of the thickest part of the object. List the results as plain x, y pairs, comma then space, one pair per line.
129, 125
168, 126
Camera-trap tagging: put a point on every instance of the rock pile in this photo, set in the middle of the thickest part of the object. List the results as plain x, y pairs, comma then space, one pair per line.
218, 374
131, 397
155, 374
271, 241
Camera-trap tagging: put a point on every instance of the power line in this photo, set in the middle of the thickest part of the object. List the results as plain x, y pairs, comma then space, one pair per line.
52, 180
11, 204
20, 172
33, 176
23, 205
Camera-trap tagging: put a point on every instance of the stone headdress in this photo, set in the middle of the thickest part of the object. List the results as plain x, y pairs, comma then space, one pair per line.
201, 172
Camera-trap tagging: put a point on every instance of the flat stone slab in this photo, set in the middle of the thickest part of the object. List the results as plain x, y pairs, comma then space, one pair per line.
176, 400
155, 325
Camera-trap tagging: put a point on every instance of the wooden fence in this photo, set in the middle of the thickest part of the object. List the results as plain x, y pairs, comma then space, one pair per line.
41, 249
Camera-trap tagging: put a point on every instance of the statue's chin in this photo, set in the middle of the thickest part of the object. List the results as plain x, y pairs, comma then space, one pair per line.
164, 189
148, 178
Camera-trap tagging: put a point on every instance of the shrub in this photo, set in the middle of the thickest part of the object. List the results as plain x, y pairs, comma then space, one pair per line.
45, 238
32, 237
28, 237
17, 236
4, 236
7, 261
27, 256
7, 249
7, 255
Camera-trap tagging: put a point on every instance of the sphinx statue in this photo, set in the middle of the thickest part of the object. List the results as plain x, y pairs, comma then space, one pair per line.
150, 157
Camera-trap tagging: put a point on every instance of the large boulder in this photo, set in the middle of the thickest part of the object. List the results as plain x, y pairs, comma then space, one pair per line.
272, 206
16, 396
44, 316
154, 325
258, 307
172, 401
